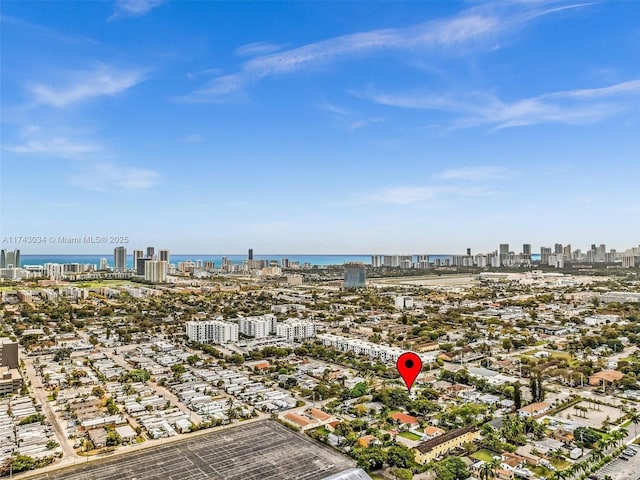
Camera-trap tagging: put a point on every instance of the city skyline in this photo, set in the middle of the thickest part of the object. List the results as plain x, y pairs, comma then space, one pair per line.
342, 127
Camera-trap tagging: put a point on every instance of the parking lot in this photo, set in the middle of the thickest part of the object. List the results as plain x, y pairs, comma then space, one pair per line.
258, 451
619, 469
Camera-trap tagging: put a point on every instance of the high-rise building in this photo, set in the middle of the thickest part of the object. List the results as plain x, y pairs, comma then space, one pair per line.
9, 259
120, 259
257, 327
468, 252
151, 252
137, 254
250, 254
104, 265
545, 252
155, 271
376, 261
354, 275
567, 251
139, 265
526, 248
557, 248
212, 331
164, 256
294, 330
504, 253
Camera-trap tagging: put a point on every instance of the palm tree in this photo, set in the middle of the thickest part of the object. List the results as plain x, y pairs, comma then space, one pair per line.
618, 437
634, 416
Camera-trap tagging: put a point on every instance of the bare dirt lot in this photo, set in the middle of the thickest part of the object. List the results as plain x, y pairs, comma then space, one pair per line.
594, 417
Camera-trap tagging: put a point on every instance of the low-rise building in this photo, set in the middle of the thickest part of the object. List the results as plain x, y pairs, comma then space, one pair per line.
442, 444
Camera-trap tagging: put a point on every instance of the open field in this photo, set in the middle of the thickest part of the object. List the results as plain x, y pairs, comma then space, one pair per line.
428, 281
263, 450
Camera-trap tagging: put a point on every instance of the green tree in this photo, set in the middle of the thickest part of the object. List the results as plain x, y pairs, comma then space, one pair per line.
400, 456
451, 468
402, 474
517, 396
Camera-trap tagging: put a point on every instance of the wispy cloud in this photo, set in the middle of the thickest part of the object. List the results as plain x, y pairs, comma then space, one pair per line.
474, 28
257, 48
106, 177
418, 195
134, 8
573, 107
36, 142
44, 31
479, 173
100, 81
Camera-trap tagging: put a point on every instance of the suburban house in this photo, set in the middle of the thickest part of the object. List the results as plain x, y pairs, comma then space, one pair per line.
605, 377
534, 409
404, 420
369, 440
431, 449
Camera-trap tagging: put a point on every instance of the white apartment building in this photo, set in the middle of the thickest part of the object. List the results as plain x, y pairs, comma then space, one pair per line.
384, 353
257, 327
296, 330
212, 331
156, 271
53, 271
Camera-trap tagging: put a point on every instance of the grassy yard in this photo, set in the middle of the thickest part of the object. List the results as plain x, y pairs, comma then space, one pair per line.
484, 455
560, 464
410, 436
541, 471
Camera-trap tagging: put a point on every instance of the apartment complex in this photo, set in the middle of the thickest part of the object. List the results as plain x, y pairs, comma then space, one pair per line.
212, 331
10, 378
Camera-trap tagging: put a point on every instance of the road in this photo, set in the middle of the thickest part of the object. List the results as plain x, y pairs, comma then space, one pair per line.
41, 396
160, 390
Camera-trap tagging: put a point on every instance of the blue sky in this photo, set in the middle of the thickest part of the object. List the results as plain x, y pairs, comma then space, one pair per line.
328, 127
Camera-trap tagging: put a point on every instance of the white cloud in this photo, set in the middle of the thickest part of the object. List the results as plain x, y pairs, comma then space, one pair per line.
572, 107
101, 81
134, 8
479, 173
35, 142
257, 48
418, 195
473, 28
106, 177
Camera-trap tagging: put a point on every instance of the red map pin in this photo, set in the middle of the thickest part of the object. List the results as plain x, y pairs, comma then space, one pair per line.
409, 366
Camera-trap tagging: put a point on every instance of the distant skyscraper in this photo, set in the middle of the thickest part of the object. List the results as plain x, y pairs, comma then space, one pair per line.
545, 253
164, 255
104, 265
468, 252
526, 248
137, 255
120, 259
557, 249
354, 275
251, 254
504, 253
567, 251
139, 265
151, 252
9, 259
155, 271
